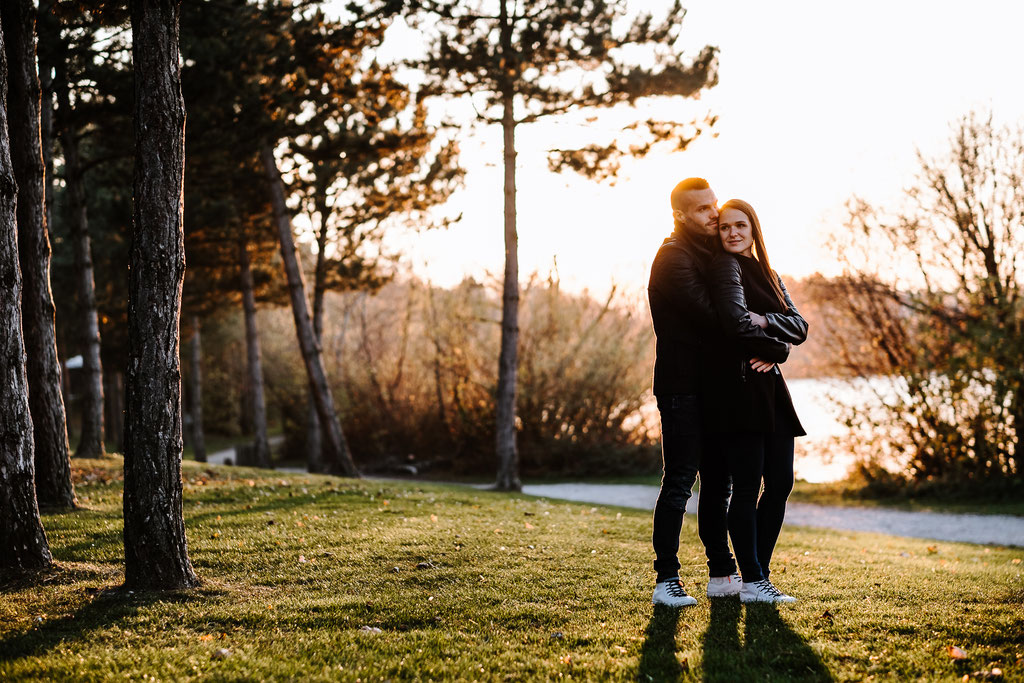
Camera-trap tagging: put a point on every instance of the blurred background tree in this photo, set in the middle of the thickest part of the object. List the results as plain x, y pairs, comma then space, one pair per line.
929, 316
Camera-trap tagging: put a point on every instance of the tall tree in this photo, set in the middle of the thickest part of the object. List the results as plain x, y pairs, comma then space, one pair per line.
340, 456
370, 159
546, 58
156, 553
23, 544
57, 50
53, 472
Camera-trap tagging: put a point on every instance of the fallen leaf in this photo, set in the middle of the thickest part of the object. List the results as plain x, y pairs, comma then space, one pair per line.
528, 525
433, 518
933, 549
955, 653
370, 629
222, 653
302, 559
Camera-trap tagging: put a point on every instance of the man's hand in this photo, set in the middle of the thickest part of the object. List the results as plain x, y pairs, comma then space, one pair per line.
761, 365
758, 319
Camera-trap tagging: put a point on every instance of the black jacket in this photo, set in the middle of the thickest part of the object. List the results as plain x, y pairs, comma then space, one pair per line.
682, 312
738, 398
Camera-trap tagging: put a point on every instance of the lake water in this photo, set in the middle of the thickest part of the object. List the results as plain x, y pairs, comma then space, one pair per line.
816, 459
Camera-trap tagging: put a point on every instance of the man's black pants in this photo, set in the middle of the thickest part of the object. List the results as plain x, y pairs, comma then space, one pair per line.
680, 449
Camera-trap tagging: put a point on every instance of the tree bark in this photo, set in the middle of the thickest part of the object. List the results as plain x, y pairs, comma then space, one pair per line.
156, 552
257, 405
115, 419
53, 470
341, 458
23, 545
314, 435
196, 393
508, 361
46, 29
90, 443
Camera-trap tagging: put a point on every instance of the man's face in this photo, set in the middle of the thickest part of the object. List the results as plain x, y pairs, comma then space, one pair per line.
700, 212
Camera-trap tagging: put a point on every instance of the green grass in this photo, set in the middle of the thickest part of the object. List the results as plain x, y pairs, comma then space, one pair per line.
514, 588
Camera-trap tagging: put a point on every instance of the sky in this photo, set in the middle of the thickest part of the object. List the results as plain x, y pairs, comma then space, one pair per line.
817, 102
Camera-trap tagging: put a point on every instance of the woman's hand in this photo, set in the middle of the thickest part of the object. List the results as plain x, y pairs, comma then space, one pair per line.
761, 365
758, 319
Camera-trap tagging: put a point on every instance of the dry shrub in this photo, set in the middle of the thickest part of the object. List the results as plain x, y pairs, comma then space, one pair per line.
414, 368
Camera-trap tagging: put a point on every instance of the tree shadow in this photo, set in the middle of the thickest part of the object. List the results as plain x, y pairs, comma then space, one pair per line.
658, 655
771, 651
110, 606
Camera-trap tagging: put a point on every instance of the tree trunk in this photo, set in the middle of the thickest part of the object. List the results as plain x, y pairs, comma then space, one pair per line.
257, 406
505, 432
47, 26
156, 552
114, 394
196, 393
314, 429
90, 443
23, 543
53, 471
341, 459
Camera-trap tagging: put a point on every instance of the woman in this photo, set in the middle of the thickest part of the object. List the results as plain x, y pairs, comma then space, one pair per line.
750, 418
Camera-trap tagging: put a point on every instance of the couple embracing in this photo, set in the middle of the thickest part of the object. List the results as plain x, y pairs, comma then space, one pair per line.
724, 322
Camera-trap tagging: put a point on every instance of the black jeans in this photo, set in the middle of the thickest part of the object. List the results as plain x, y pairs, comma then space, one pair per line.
681, 446
754, 522
713, 509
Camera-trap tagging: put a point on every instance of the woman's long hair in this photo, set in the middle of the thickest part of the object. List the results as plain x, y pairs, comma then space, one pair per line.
759, 251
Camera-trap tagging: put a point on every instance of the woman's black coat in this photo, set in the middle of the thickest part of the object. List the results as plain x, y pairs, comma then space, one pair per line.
738, 398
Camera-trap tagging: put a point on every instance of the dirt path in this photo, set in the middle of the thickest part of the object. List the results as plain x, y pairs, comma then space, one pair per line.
968, 528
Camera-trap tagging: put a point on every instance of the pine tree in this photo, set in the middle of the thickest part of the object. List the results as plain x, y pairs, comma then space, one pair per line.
546, 58
53, 471
23, 544
156, 553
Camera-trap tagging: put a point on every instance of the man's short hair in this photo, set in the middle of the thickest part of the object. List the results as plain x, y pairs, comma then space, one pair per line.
688, 185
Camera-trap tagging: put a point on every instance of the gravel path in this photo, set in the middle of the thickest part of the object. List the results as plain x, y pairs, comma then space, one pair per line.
985, 529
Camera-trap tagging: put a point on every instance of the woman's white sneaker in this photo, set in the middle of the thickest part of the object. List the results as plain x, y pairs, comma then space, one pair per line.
724, 586
763, 591
672, 594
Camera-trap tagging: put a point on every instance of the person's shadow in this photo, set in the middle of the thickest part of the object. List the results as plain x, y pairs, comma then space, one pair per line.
771, 649
658, 657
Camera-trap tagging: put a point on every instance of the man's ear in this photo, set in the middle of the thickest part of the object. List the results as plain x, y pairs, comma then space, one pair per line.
678, 215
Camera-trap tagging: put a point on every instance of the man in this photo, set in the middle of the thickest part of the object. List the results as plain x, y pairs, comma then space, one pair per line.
684, 322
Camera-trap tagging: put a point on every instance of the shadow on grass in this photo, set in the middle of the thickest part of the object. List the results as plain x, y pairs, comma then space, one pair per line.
658, 655
771, 649
114, 606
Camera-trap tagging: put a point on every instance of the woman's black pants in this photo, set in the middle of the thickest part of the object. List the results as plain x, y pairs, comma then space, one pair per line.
754, 522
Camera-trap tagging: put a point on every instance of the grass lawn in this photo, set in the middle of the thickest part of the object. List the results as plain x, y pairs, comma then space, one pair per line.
318, 578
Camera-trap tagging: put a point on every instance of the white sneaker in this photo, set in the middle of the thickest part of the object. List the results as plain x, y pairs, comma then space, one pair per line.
724, 586
763, 591
670, 592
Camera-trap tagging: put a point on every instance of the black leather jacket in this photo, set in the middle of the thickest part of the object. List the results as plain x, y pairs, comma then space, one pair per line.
682, 312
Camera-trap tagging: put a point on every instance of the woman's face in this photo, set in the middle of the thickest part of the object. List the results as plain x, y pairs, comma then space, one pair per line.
735, 231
